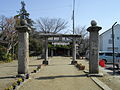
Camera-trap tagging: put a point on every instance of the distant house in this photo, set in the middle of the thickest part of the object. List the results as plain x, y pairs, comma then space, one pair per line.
105, 42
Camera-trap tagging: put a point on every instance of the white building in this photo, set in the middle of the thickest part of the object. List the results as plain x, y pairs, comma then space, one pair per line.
105, 43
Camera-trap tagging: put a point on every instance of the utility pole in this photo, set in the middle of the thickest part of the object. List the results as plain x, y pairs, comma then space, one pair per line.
73, 17
74, 41
113, 48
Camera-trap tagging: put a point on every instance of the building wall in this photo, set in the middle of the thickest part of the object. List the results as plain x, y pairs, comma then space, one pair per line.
105, 43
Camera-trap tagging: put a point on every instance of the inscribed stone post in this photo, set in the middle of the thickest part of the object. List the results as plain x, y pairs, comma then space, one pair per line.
23, 49
93, 42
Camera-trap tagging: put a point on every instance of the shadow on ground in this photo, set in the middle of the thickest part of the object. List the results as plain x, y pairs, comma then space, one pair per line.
117, 71
61, 76
7, 77
111, 68
33, 65
59, 64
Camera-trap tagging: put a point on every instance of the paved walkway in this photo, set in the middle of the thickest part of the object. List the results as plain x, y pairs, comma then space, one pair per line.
59, 75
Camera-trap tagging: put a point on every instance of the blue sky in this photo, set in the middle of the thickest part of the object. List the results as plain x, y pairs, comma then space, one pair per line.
105, 12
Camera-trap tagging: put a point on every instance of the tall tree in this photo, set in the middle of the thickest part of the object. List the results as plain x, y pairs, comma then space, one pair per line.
2, 22
48, 25
83, 42
9, 34
23, 17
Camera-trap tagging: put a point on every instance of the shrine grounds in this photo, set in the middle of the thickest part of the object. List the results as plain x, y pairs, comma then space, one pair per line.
58, 75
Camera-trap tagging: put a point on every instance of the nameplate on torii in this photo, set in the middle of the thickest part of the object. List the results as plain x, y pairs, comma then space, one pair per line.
60, 43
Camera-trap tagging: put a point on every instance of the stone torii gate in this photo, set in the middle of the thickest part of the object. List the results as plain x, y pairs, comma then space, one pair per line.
23, 29
46, 36
22, 25
23, 48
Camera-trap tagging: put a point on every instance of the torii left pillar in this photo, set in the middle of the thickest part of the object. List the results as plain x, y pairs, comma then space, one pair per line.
46, 51
23, 49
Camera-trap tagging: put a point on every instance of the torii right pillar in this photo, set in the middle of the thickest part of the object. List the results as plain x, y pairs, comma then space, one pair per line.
94, 47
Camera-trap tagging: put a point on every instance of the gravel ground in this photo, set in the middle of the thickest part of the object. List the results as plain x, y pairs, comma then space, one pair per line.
60, 75
112, 81
8, 71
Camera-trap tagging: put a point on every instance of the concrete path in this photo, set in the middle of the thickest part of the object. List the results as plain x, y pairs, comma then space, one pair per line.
59, 75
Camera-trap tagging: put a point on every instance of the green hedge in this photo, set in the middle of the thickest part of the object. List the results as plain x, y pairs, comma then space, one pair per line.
3, 56
59, 46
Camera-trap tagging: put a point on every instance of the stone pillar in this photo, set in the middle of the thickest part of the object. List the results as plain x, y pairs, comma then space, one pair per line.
74, 52
43, 50
51, 52
43, 54
23, 49
68, 52
46, 51
94, 51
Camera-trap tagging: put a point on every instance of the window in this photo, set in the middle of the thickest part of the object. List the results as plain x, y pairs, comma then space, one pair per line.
101, 54
118, 55
118, 38
110, 48
110, 41
108, 54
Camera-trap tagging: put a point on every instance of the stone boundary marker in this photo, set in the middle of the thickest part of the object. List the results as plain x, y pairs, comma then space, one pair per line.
100, 84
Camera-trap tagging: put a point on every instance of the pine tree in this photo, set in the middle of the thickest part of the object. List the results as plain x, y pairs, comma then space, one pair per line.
23, 14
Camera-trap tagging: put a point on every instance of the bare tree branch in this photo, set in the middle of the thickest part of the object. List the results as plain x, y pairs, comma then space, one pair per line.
83, 42
2, 22
8, 33
47, 25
